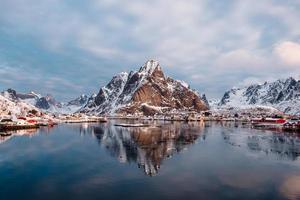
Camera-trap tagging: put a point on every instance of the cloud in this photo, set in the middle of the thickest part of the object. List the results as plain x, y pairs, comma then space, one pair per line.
212, 44
240, 59
289, 53
255, 80
23, 80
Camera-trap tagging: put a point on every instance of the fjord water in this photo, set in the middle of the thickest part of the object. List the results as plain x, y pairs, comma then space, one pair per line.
174, 161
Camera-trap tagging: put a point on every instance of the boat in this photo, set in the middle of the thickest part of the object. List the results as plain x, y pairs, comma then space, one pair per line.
268, 122
132, 125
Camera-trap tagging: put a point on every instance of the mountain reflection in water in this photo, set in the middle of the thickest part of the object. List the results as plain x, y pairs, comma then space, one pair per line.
147, 146
282, 145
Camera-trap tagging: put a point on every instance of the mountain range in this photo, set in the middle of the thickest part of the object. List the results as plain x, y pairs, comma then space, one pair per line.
282, 94
45, 103
149, 91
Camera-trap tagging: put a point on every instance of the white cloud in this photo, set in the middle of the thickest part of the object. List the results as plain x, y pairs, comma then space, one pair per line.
17, 77
289, 53
241, 59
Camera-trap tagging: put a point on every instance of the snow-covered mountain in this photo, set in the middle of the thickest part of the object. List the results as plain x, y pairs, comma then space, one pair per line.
76, 104
46, 103
283, 94
80, 101
14, 107
145, 91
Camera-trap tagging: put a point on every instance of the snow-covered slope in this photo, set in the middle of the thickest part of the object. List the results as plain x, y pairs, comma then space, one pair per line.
46, 103
76, 104
283, 95
108, 97
141, 91
9, 107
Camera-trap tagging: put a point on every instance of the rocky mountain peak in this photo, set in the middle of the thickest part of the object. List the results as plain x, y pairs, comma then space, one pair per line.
149, 67
145, 91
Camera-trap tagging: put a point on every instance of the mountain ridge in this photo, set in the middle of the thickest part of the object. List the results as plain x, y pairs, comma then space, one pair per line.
46, 103
282, 94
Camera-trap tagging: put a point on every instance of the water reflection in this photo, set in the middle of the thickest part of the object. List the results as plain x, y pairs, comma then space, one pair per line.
283, 145
6, 136
147, 146
229, 161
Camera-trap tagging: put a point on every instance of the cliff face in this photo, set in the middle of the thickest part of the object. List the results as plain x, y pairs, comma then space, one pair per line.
146, 91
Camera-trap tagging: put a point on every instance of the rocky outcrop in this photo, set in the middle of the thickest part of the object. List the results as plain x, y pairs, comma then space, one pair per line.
42, 103
147, 91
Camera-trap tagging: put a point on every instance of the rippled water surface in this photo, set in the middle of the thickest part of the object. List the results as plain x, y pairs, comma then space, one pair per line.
174, 161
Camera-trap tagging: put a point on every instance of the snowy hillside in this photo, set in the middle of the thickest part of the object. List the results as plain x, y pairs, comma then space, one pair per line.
46, 103
283, 95
9, 107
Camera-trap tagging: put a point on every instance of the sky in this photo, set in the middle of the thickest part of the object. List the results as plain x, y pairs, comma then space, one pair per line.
70, 47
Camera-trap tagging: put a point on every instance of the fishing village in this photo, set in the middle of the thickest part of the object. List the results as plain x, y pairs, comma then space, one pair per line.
263, 121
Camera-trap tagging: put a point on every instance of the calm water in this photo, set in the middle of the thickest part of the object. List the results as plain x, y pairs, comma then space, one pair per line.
176, 161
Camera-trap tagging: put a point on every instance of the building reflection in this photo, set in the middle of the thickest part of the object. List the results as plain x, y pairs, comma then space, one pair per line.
5, 136
147, 146
9, 135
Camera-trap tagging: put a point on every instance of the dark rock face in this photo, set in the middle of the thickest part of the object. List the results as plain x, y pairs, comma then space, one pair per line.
203, 97
146, 91
46, 102
225, 98
80, 101
42, 103
11, 94
26, 96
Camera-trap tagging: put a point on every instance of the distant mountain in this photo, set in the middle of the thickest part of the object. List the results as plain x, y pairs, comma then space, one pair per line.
146, 91
283, 94
15, 108
46, 103
80, 101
